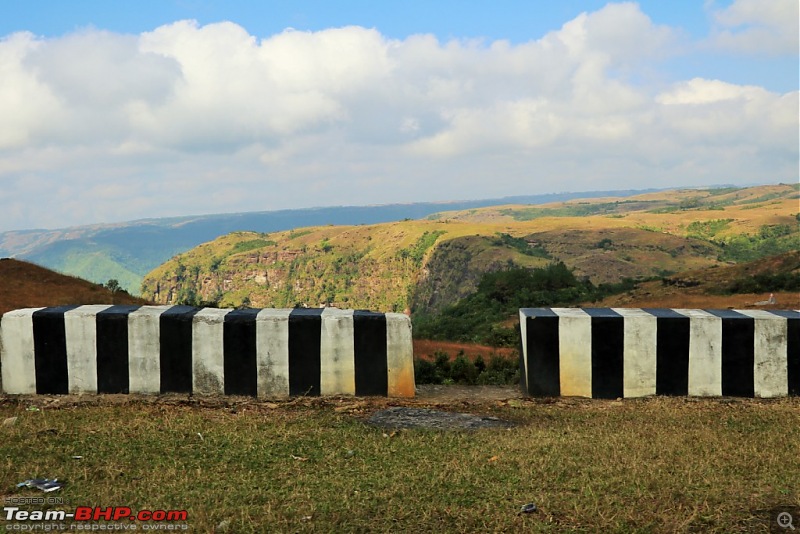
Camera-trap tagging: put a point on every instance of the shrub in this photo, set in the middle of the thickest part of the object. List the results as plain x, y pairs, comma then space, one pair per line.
425, 372
442, 362
462, 371
499, 371
480, 365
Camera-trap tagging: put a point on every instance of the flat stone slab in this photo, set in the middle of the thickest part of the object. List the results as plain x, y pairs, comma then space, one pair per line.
403, 417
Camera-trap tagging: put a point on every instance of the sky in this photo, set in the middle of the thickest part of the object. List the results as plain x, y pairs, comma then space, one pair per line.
115, 111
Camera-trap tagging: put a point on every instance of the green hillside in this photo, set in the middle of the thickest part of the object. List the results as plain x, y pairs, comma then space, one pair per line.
426, 265
128, 251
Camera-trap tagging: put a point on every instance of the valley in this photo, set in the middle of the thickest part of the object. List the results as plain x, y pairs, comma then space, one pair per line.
463, 273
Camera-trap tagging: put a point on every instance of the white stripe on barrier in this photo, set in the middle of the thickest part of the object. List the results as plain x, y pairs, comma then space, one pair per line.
208, 361
575, 343
19, 363
337, 356
144, 349
80, 329
399, 355
639, 352
770, 371
705, 353
272, 353
523, 330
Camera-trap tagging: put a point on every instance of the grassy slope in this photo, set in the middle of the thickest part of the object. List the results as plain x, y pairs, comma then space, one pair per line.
129, 250
707, 288
351, 266
648, 465
364, 266
25, 285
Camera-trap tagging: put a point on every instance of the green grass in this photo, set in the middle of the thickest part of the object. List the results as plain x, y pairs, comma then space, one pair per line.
652, 465
567, 210
707, 229
522, 246
420, 247
251, 244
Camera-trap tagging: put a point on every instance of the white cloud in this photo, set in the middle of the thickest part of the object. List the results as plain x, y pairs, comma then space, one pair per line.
188, 119
700, 91
758, 27
26, 104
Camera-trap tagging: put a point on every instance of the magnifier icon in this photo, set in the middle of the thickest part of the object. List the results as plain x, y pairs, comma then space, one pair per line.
785, 520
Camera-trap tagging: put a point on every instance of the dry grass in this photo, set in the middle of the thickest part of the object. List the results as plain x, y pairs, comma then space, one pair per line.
706, 286
26, 285
648, 465
426, 348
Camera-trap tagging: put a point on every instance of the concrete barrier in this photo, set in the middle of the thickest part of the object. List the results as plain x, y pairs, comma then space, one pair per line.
161, 349
612, 353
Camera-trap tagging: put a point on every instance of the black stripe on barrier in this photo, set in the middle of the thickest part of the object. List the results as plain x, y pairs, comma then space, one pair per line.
305, 331
792, 348
543, 376
112, 349
50, 350
672, 352
371, 367
738, 353
239, 346
608, 337
175, 338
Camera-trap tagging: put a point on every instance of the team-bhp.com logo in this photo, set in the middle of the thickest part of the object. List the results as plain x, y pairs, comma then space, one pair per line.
115, 514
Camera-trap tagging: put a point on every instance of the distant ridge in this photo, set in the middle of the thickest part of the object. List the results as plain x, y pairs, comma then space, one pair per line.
129, 250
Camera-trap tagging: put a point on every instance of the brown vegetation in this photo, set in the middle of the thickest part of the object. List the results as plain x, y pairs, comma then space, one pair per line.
26, 285
426, 348
705, 288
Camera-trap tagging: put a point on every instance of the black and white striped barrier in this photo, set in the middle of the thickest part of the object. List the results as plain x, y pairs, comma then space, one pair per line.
612, 353
160, 349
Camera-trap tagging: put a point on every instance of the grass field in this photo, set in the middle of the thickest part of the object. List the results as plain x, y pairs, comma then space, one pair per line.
313, 465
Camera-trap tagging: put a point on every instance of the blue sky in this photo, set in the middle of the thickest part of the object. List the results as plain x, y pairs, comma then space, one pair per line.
518, 21
122, 110
515, 20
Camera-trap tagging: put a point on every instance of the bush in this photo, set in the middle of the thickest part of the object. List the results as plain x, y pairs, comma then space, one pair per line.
462, 371
442, 362
765, 283
770, 241
499, 371
480, 365
425, 372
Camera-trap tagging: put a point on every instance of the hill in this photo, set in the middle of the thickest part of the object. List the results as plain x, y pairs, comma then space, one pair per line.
25, 285
732, 286
127, 251
429, 264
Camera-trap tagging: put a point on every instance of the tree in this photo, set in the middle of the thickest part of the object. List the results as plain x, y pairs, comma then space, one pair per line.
113, 285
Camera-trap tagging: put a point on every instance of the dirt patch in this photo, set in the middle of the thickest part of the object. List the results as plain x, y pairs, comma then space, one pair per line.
475, 398
406, 417
456, 393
